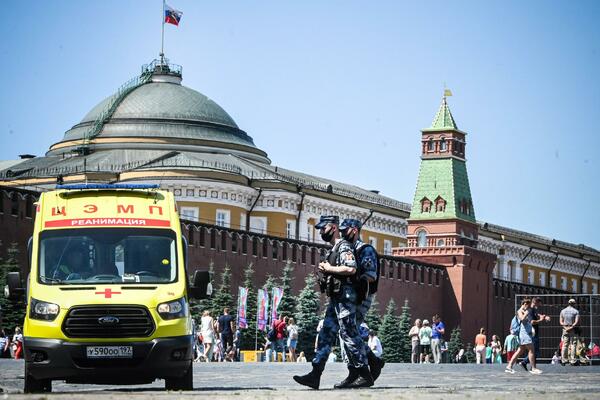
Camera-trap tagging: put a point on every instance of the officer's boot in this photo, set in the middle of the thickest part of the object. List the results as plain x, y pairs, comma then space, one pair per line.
375, 365
352, 376
313, 378
364, 380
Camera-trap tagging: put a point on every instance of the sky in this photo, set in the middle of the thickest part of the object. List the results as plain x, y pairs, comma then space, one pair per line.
341, 89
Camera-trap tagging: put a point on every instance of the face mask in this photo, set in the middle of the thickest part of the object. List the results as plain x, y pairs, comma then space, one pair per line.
348, 234
327, 235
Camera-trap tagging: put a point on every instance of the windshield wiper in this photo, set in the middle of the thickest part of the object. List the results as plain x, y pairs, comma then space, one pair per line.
47, 279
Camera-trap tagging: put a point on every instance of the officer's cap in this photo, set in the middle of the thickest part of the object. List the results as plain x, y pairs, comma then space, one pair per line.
327, 219
350, 223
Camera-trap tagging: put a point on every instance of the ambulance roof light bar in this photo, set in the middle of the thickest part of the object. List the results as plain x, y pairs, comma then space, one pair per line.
132, 186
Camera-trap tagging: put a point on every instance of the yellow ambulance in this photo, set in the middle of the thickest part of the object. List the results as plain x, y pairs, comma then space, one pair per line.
108, 292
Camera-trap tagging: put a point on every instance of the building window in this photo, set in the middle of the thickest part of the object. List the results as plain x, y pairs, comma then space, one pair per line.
422, 238
542, 278
223, 218
440, 204
270, 203
258, 224
530, 277
584, 287
440, 243
563, 283
574, 285
373, 241
430, 145
594, 288
443, 145
242, 221
553, 281
387, 247
190, 213
425, 205
309, 232
290, 229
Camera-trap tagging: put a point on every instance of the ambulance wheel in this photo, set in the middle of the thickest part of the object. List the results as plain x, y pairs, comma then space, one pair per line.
33, 385
186, 382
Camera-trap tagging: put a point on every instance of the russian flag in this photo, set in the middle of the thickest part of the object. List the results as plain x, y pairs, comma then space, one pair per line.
172, 16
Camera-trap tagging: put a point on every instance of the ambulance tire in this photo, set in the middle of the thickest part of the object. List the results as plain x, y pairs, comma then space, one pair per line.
186, 382
33, 385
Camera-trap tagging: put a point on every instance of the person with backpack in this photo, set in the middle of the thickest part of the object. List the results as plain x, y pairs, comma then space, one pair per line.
525, 333
511, 344
340, 270
367, 261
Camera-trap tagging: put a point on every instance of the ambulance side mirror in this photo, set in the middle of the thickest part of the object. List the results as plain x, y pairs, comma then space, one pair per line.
201, 287
13, 289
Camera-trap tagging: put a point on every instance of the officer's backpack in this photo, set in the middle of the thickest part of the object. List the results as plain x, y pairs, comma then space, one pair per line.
373, 285
272, 334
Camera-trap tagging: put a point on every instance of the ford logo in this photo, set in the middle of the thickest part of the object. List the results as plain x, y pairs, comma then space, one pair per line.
108, 320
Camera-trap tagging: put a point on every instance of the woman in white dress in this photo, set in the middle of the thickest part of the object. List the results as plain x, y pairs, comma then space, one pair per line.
207, 327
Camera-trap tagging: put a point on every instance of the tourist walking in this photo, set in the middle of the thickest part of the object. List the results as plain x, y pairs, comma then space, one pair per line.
496, 350
226, 329
18, 341
375, 344
413, 334
569, 320
292, 334
536, 320
480, 344
511, 344
437, 337
207, 329
524, 317
4, 344
425, 340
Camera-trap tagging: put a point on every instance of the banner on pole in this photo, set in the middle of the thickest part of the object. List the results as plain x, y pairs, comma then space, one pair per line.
262, 315
277, 295
241, 314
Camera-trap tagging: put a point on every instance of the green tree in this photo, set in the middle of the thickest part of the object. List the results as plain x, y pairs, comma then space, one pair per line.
248, 339
223, 297
197, 307
405, 344
389, 334
455, 344
287, 306
12, 310
469, 354
373, 318
307, 313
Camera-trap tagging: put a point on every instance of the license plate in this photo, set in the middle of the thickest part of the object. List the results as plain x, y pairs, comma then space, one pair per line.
109, 351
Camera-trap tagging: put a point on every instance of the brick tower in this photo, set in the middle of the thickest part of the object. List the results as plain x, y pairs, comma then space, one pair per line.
442, 228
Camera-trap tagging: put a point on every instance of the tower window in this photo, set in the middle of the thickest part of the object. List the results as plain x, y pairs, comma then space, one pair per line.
430, 145
425, 205
443, 145
422, 238
440, 204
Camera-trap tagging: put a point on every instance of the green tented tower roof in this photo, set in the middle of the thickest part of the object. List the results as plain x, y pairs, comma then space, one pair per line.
443, 119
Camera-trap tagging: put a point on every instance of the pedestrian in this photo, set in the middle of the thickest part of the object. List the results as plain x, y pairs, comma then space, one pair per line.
496, 350
279, 326
425, 340
488, 353
207, 329
555, 358
415, 354
375, 344
226, 329
4, 344
511, 344
366, 283
524, 316
292, 334
268, 349
18, 341
301, 358
480, 342
340, 315
437, 337
569, 320
536, 320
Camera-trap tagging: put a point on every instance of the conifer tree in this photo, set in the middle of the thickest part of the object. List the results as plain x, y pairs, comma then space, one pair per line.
287, 306
469, 354
12, 310
455, 344
223, 297
249, 334
373, 318
389, 334
307, 314
405, 343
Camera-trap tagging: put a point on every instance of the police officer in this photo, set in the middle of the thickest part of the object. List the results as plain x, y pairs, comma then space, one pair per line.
340, 316
367, 262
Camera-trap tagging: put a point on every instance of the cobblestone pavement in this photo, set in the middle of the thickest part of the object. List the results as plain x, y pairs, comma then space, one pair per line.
274, 380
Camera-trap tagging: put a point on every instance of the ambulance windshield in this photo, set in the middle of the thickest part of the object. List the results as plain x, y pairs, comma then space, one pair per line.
107, 255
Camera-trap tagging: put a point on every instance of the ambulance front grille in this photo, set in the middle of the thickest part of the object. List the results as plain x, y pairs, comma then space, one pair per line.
108, 322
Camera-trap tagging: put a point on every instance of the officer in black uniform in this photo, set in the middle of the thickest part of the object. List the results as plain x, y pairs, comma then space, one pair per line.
339, 267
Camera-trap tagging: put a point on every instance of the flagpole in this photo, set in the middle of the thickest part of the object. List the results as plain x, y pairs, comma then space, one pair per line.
162, 43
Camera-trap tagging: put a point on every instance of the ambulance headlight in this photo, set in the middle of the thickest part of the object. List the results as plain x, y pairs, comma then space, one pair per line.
173, 309
43, 310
